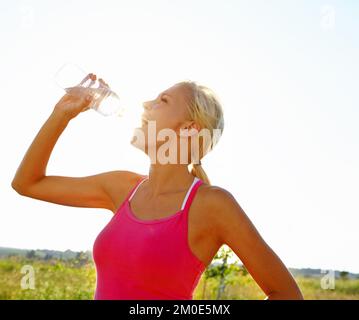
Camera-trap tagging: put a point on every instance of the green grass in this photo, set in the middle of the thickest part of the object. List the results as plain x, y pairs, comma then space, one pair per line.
75, 280
53, 280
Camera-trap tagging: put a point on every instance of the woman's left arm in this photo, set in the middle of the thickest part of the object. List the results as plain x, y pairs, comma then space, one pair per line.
237, 231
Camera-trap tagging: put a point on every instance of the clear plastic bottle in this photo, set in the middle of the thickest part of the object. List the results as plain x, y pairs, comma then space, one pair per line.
106, 101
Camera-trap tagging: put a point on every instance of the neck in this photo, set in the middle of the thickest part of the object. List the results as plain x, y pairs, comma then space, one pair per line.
167, 178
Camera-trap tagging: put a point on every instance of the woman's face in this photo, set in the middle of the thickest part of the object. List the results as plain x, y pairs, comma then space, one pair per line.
167, 111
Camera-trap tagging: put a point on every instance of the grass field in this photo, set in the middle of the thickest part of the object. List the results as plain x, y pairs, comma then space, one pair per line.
74, 279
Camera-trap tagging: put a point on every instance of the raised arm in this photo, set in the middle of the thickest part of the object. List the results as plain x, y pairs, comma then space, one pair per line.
91, 191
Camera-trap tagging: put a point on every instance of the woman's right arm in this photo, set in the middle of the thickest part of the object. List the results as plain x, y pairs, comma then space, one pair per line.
94, 191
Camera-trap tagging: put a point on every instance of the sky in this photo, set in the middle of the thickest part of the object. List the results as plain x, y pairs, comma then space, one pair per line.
286, 74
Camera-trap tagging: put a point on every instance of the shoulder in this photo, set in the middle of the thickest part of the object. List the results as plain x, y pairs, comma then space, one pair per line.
124, 176
118, 184
120, 179
215, 197
221, 209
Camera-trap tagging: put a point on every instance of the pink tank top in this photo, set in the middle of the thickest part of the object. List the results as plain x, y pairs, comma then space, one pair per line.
146, 259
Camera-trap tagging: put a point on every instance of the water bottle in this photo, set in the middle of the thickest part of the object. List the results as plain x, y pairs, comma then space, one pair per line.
105, 101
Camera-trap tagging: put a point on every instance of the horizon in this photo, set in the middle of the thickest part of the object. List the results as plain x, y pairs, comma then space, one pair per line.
237, 261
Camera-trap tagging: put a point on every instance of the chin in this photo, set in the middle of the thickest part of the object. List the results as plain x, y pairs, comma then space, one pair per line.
138, 139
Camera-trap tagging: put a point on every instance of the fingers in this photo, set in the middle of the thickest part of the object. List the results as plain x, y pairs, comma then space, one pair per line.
91, 83
86, 87
93, 80
84, 80
93, 77
103, 84
90, 76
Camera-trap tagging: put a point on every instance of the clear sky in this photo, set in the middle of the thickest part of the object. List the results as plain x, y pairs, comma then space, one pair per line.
287, 76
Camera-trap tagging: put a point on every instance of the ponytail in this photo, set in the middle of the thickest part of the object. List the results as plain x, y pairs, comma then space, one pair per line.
204, 108
198, 172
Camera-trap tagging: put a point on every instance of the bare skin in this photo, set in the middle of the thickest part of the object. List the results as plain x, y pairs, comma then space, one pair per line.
215, 217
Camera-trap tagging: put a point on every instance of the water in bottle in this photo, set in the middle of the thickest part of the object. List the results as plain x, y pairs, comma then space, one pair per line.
105, 100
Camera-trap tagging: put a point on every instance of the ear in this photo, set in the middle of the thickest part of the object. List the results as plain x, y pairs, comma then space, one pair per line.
189, 129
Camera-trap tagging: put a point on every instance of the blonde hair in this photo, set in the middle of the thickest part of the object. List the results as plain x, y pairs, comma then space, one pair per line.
205, 109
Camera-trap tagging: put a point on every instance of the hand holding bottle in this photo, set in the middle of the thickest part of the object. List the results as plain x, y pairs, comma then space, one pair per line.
81, 98
89, 93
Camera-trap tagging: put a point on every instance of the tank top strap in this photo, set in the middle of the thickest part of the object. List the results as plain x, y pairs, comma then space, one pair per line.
134, 189
191, 193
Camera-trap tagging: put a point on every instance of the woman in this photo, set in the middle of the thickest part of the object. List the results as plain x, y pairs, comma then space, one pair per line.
168, 225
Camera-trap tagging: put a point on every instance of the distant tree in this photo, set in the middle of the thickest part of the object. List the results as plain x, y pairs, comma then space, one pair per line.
31, 254
48, 256
344, 275
220, 270
81, 259
224, 269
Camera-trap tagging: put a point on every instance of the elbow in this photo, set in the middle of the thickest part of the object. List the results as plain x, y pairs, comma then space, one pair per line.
18, 187
14, 185
22, 187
